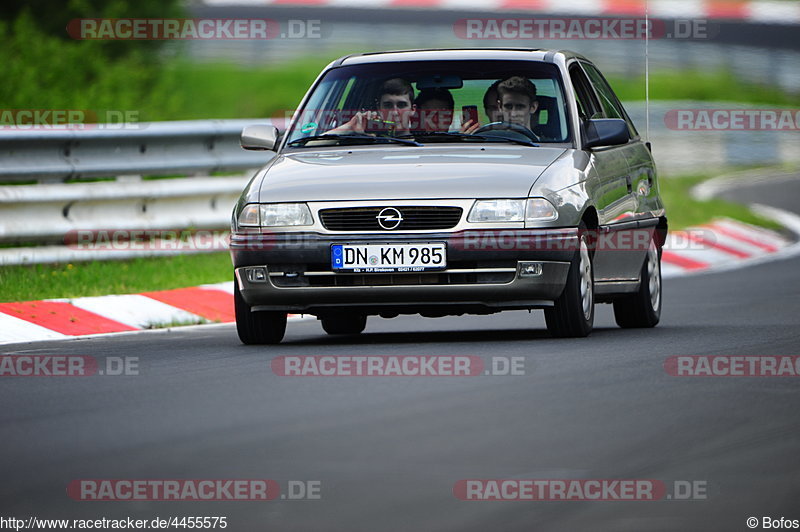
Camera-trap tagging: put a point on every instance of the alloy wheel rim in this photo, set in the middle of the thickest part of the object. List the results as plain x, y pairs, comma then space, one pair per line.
587, 295
654, 276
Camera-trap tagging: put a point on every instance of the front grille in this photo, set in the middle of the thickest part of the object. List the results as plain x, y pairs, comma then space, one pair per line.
414, 218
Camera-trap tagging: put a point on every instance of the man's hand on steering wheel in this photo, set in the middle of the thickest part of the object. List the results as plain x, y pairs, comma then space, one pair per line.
519, 128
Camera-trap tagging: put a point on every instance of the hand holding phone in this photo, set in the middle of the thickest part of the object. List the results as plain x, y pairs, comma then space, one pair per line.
469, 112
469, 118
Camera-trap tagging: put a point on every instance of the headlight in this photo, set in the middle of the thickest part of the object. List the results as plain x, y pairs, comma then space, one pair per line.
498, 210
275, 215
512, 210
540, 210
281, 214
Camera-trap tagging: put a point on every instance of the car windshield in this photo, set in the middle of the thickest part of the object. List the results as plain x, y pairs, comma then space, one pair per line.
520, 102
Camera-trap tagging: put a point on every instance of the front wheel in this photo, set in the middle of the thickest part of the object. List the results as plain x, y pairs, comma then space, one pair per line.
572, 315
643, 309
257, 328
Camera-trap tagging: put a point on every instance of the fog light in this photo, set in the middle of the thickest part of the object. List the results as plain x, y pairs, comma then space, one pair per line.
256, 275
530, 269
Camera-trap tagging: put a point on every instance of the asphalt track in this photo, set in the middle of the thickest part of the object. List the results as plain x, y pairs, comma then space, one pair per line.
389, 450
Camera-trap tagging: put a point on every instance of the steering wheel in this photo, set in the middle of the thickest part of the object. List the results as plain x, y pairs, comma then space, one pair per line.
494, 126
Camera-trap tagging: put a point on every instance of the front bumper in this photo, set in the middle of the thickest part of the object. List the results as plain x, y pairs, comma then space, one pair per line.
485, 273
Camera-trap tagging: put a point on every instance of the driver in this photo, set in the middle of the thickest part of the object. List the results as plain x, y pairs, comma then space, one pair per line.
395, 105
516, 97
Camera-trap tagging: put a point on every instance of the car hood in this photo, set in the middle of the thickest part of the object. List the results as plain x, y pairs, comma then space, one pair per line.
400, 172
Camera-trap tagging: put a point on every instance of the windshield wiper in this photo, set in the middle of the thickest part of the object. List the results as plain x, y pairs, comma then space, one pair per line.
465, 136
506, 139
370, 138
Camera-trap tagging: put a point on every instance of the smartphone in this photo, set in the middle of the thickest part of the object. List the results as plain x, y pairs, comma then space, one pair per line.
469, 112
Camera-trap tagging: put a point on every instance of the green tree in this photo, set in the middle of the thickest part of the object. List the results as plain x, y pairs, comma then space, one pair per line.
52, 16
46, 69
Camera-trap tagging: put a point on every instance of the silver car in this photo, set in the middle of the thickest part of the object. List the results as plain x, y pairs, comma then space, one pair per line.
450, 182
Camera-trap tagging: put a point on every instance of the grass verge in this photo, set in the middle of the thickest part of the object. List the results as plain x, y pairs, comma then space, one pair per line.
720, 86
43, 281
684, 211
79, 279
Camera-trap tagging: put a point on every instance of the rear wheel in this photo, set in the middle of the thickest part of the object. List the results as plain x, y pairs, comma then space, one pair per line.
572, 315
257, 328
344, 323
643, 309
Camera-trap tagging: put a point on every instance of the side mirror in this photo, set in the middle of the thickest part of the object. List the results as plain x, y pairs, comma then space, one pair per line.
259, 137
605, 132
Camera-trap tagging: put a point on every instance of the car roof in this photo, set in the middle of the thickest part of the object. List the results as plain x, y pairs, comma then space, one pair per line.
523, 54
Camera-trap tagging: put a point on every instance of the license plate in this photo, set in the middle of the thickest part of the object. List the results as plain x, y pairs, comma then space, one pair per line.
388, 258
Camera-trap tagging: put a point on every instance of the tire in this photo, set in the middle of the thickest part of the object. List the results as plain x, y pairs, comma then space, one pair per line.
572, 315
344, 323
643, 309
257, 328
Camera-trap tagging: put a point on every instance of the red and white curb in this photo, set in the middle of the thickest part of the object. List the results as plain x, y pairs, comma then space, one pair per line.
53, 319
721, 244
764, 11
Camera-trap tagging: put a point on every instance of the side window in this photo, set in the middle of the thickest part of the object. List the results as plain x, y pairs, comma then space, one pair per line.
588, 106
611, 105
607, 98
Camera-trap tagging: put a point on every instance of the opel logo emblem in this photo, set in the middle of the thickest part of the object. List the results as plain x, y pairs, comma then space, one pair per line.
389, 218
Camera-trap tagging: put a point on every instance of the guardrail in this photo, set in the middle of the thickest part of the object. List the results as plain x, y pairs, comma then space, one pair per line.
146, 148
46, 214
53, 215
